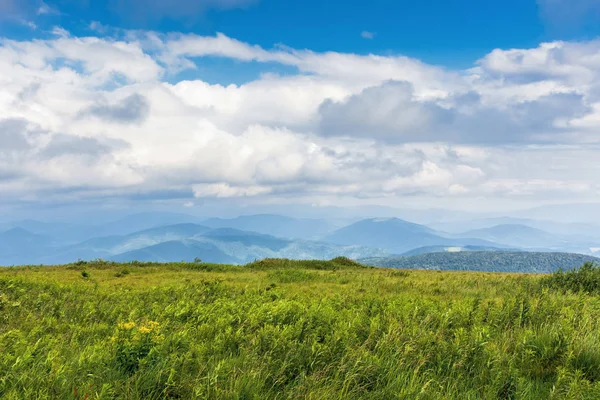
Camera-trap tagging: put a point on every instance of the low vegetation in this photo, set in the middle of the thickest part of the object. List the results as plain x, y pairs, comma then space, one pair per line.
280, 329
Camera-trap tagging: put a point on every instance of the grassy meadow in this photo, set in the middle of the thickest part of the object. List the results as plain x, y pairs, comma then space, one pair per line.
279, 329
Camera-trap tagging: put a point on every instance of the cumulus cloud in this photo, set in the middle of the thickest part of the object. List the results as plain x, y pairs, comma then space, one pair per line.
94, 116
13, 135
133, 108
390, 112
561, 62
178, 51
68, 145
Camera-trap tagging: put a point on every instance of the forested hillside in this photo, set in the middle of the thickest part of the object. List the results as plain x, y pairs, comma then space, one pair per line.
491, 261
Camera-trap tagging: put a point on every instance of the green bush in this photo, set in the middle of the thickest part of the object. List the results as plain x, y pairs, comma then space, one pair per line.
122, 273
584, 279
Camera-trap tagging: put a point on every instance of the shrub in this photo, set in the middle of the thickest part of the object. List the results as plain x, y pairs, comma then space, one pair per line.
584, 279
346, 262
122, 273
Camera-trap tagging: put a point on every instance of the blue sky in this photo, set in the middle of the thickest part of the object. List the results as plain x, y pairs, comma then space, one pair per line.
450, 33
180, 104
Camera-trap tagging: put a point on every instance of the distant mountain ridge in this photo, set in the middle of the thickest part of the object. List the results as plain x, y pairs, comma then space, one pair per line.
397, 236
17, 242
534, 239
275, 225
515, 235
238, 247
172, 251
180, 242
250, 237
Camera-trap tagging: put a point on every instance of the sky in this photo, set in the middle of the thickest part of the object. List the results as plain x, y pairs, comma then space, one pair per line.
182, 104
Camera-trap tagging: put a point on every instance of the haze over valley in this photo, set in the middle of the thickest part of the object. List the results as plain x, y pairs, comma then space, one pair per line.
353, 233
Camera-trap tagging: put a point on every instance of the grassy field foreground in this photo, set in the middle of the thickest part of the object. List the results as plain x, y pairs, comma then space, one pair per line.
293, 330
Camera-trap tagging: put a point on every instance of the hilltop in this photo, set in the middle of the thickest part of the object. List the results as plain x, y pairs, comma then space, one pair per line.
295, 329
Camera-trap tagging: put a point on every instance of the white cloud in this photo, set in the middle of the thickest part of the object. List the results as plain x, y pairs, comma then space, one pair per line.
226, 190
391, 112
61, 32
89, 116
367, 35
353, 70
45, 9
561, 62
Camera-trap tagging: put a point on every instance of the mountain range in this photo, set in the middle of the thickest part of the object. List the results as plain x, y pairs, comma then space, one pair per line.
177, 237
398, 236
181, 242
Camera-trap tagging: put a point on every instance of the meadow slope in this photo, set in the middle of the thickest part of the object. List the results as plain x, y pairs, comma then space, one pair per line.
292, 330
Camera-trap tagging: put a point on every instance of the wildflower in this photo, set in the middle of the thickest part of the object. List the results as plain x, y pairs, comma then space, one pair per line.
127, 325
149, 327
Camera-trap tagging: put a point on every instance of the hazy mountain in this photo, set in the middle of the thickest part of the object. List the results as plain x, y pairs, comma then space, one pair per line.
229, 235
213, 250
107, 246
39, 227
396, 236
242, 247
185, 250
492, 261
449, 249
526, 237
67, 233
276, 225
178, 230
19, 246
143, 221
516, 235
258, 236
569, 213
577, 229
164, 243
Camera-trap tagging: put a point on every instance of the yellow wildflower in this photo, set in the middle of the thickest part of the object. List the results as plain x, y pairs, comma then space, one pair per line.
127, 325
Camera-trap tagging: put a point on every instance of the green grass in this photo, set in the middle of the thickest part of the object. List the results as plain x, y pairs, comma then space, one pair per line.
280, 329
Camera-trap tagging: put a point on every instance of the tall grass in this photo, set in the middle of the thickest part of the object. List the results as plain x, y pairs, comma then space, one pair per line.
280, 329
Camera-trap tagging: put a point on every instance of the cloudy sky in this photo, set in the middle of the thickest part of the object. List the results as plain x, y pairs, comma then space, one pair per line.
463, 105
